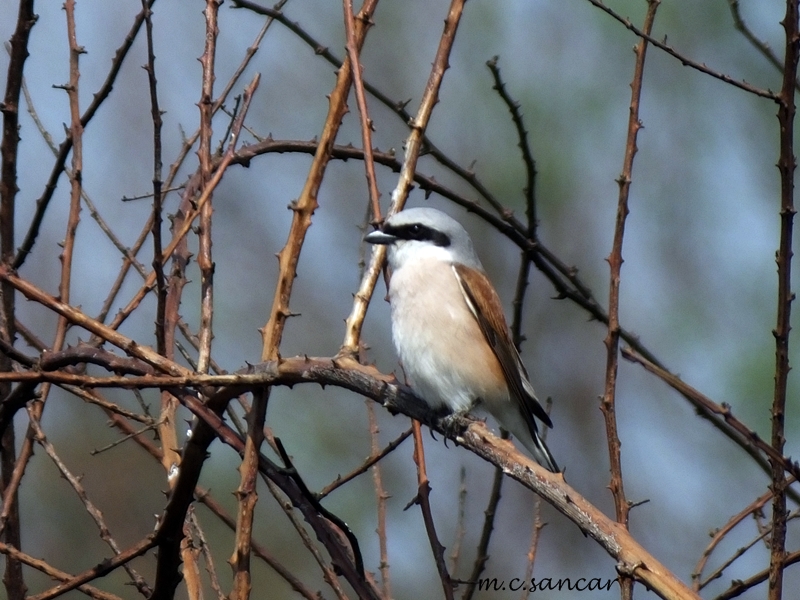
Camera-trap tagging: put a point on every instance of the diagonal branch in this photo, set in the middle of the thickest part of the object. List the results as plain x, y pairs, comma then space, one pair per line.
685, 61
66, 146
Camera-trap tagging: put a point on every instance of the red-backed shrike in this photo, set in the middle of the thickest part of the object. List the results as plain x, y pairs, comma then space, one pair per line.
449, 329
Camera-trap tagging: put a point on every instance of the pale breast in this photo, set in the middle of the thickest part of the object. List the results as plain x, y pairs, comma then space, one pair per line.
438, 340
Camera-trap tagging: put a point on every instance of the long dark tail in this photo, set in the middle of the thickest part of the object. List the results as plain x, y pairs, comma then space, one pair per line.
541, 452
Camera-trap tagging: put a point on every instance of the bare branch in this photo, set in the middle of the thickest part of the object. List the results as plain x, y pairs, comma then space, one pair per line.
786, 167
685, 61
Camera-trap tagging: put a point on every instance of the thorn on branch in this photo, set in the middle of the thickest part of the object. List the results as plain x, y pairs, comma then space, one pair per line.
412, 502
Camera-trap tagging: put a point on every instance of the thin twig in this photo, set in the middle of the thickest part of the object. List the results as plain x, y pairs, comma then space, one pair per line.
13, 553
204, 497
361, 100
66, 146
205, 551
608, 402
524, 146
204, 260
685, 61
158, 197
760, 45
717, 573
744, 435
124, 438
364, 467
739, 587
423, 500
90, 507
413, 147
786, 168
100, 570
381, 498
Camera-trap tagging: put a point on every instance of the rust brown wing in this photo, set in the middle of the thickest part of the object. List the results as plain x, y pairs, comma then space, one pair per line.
485, 305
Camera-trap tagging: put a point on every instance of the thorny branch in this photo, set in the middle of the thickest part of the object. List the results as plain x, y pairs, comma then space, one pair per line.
608, 402
786, 167
686, 61
10, 532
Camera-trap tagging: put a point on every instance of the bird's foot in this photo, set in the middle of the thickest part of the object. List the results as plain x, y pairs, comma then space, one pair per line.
451, 425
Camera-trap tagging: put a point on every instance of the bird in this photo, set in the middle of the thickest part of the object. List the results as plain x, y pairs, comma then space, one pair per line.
449, 330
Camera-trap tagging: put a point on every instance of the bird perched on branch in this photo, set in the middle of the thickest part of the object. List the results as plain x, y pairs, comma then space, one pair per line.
449, 329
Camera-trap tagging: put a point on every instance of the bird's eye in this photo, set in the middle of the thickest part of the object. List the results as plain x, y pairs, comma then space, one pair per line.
415, 230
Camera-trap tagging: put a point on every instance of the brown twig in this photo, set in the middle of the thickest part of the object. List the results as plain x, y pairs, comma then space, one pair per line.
423, 500
786, 167
206, 266
524, 146
247, 497
11, 552
204, 260
381, 497
66, 146
762, 534
303, 208
482, 552
190, 554
684, 60
739, 587
720, 534
158, 197
90, 507
204, 497
373, 459
760, 45
356, 67
9, 483
208, 190
745, 437
608, 403
100, 570
205, 552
